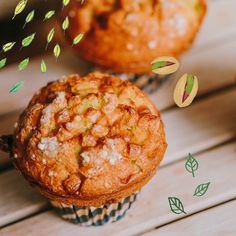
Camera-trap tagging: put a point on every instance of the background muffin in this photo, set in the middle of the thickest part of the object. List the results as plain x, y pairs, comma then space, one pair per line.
126, 35
89, 141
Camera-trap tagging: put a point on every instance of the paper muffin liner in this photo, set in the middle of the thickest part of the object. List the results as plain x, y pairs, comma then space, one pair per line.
149, 83
94, 216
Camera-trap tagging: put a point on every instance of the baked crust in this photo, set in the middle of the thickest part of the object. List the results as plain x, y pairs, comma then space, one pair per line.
127, 35
89, 140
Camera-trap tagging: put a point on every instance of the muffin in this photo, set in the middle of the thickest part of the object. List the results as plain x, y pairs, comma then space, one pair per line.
89, 144
125, 36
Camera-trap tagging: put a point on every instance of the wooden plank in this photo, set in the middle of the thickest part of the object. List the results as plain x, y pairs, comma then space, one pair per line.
210, 32
200, 126
152, 209
193, 129
206, 64
17, 199
219, 220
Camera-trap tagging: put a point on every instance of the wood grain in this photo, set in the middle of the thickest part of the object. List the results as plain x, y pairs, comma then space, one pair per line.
17, 199
215, 29
200, 126
152, 209
210, 121
192, 129
219, 220
206, 64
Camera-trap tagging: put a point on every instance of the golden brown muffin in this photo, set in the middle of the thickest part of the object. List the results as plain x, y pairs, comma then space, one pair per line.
90, 140
126, 35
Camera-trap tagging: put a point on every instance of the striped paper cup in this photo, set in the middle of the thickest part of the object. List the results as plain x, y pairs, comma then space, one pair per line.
94, 216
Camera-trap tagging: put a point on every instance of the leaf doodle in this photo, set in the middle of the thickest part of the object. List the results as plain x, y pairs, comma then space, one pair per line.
29, 18
3, 63
57, 51
23, 64
48, 15
65, 24
19, 7
43, 66
191, 164
176, 205
50, 37
16, 86
65, 2
201, 189
28, 40
78, 38
8, 46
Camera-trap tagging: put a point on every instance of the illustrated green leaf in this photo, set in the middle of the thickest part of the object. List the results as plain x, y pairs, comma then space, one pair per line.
201, 189
3, 62
57, 51
28, 40
23, 64
8, 46
65, 2
19, 7
29, 18
176, 205
65, 24
16, 86
48, 15
191, 164
43, 66
78, 38
50, 37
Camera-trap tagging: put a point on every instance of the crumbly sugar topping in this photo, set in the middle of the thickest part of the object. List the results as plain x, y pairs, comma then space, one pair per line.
92, 128
49, 146
47, 113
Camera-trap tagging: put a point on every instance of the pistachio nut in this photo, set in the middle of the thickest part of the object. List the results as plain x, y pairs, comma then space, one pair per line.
185, 90
165, 65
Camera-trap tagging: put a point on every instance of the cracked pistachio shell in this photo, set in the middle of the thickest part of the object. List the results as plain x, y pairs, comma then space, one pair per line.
165, 65
180, 91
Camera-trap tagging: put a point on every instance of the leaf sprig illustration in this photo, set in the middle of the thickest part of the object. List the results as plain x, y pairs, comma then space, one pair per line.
8, 46
49, 15
50, 37
78, 38
176, 205
43, 66
191, 164
65, 24
19, 8
3, 62
201, 189
17, 86
65, 3
57, 51
23, 64
29, 18
28, 40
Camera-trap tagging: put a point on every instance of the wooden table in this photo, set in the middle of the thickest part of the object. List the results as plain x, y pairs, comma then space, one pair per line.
207, 129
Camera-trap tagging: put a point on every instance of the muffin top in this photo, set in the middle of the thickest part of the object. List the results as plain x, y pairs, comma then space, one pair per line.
89, 140
126, 35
